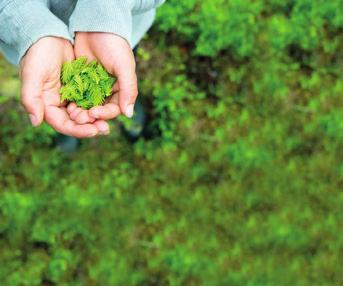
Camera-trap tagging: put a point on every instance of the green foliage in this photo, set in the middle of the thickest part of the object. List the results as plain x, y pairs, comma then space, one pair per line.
240, 183
86, 84
247, 26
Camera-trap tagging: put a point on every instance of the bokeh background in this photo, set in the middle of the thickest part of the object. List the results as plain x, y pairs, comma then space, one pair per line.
239, 183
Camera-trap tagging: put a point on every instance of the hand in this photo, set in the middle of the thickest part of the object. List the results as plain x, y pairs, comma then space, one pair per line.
115, 54
40, 74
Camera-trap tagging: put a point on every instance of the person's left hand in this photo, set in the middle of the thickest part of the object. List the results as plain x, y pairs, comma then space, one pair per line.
115, 54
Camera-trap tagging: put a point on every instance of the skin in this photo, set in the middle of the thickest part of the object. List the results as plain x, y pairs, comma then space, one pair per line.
116, 55
39, 72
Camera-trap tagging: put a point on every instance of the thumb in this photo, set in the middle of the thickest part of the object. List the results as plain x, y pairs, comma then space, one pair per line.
128, 92
125, 70
32, 100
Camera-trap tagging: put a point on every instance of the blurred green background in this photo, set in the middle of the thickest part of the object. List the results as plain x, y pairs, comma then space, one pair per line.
240, 184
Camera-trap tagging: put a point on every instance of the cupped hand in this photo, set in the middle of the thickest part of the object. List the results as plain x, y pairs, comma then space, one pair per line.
115, 54
40, 75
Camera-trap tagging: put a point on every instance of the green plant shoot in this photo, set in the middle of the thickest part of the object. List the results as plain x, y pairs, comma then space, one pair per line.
86, 84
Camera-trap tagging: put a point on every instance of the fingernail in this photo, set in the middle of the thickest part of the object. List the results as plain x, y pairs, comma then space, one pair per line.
129, 110
95, 115
103, 128
105, 133
33, 120
92, 134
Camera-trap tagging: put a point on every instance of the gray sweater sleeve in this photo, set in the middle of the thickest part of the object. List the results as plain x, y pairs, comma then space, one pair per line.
23, 22
111, 16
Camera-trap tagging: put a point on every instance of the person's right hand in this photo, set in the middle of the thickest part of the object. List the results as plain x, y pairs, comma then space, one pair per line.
40, 75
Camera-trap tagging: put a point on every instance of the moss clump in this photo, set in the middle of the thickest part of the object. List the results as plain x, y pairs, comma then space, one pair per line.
86, 84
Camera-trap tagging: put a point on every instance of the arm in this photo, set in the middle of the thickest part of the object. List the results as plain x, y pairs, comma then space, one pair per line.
110, 16
23, 23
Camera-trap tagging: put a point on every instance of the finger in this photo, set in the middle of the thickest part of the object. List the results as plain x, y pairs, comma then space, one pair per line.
59, 119
108, 111
103, 127
125, 70
32, 100
76, 112
71, 107
83, 118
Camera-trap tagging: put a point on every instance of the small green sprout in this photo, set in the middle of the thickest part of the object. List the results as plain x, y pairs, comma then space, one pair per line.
86, 84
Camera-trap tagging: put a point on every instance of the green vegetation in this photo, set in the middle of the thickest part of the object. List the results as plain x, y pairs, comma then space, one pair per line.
240, 184
86, 84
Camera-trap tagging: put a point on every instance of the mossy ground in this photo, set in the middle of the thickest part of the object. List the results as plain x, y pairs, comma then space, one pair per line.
239, 185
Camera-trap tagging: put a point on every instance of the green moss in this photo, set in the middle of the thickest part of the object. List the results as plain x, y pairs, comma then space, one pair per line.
86, 84
240, 182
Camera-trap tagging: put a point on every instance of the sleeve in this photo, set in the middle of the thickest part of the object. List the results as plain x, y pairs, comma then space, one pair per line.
142, 6
111, 16
23, 23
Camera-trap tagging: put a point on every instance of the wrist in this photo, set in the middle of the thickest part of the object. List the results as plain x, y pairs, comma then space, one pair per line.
113, 17
49, 49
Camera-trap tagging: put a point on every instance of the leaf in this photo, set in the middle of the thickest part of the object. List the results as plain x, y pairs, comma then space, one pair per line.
103, 74
85, 103
96, 96
67, 72
67, 92
94, 76
107, 86
79, 83
79, 64
85, 84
